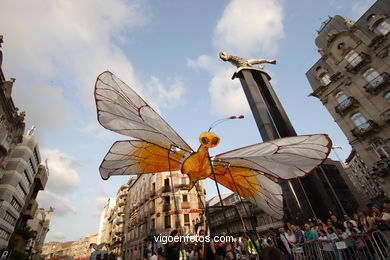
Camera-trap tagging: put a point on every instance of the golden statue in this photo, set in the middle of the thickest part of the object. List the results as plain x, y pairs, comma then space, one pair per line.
244, 63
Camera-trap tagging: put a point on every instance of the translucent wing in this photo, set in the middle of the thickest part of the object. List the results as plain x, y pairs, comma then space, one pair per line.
122, 110
138, 157
257, 168
259, 189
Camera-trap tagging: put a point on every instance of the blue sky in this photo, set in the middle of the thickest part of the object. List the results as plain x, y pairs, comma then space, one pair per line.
168, 51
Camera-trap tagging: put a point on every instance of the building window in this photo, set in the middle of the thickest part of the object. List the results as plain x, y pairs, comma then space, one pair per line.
341, 97
36, 156
185, 197
9, 218
26, 179
373, 77
360, 121
186, 218
4, 234
167, 200
166, 182
153, 223
353, 58
21, 191
31, 166
381, 150
14, 203
167, 221
325, 79
387, 96
383, 28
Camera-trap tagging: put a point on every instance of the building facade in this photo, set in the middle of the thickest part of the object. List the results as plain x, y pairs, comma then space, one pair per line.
351, 80
240, 215
80, 249
104, 225
22, 175
40, 225
157, 204
11, 121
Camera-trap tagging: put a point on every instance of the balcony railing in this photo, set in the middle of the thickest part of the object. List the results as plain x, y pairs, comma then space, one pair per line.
41, 177
346, 105
185, 205
166, 207
358, 62
364, 129
378, 83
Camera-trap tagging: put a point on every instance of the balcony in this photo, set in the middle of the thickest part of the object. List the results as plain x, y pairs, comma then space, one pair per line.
386, 116
166, 188
364, 129
377, 84
31, 209
185, 205
346, 105
120, 210
166, 207
41, 177
358, 62
121, 202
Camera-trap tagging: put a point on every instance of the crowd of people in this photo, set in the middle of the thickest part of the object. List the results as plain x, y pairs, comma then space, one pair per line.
279, 244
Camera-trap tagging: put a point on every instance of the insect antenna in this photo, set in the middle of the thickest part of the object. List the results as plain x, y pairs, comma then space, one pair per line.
219, 121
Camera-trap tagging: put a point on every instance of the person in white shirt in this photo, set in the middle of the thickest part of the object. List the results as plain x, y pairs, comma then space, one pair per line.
347, 218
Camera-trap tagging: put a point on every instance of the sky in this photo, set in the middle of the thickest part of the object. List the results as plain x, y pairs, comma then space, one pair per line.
168, 52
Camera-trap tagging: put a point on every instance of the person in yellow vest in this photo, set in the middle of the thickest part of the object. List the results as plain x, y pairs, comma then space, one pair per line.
252, 252
182, 253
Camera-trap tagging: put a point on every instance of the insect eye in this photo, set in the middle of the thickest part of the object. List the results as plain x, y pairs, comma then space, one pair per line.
215, 140
205, 140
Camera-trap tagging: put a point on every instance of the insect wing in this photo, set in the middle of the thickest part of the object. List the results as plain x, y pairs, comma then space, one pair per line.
122, 110
138, 157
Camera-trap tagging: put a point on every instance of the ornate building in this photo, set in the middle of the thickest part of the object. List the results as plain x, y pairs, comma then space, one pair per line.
238, 212
22, 174
351, 80
157, 204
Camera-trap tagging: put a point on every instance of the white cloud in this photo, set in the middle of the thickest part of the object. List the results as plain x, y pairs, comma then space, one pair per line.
62, 205
67, 41
63, 177
165, 96
250, 27
59, 236
45, 106
247, 28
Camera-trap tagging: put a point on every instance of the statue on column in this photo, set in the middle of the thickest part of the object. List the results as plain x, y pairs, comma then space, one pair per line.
244, 63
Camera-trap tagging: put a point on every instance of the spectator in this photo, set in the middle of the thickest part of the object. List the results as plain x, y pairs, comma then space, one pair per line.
347, 218
336, 223
309, 234
291, 237
365, 223
320, 223
350, 227
280, 241
173, 248
298, 234
327, 246
382, 219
